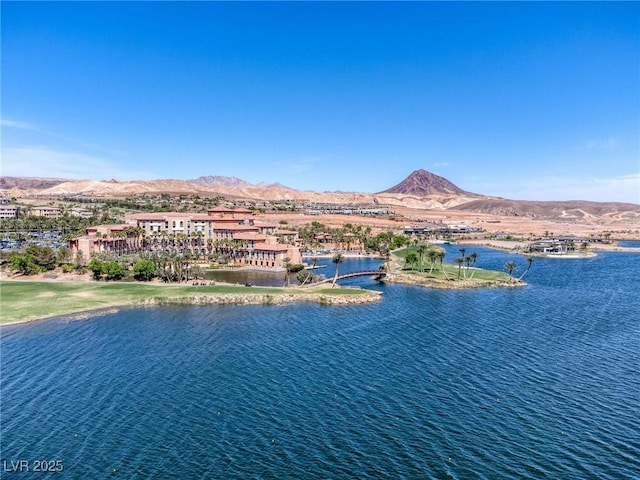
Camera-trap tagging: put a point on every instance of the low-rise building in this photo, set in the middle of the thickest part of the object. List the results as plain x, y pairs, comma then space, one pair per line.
47, 212
222, 231
9, 211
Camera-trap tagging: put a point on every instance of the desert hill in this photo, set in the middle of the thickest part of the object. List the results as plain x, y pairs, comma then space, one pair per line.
422, 184
420, 191
218, 180
561, 210
29, 182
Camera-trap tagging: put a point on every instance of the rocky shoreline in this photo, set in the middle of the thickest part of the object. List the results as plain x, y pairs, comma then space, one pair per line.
266, 299
452, 284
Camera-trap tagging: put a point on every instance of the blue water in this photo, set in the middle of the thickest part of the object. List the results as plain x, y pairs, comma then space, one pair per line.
630, 243
540, 382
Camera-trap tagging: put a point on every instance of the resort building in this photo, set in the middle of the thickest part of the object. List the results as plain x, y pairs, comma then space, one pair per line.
225, 233
9, 211
48, 212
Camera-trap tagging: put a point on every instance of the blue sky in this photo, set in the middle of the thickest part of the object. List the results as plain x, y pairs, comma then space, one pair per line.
521, 100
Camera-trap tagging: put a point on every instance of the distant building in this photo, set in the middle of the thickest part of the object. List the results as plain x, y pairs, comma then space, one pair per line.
443, 229
47, 212
9, 211
80, 212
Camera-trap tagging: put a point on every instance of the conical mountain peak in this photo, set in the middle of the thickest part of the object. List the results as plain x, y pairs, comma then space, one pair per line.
423, 183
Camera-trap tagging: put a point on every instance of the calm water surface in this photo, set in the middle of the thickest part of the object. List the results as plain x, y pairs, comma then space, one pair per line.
537, 382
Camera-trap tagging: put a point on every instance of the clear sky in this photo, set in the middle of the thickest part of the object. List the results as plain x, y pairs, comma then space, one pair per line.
533, 101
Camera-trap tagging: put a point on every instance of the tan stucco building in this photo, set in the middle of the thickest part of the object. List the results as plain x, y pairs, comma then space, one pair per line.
233, 233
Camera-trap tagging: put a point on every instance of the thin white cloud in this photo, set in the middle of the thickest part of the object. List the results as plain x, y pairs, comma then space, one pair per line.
27, 126
5, 122
300, 165
609, 143
37, 161
624, 188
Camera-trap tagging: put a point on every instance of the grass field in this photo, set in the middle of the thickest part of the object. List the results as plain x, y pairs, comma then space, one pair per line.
22, 301
451, 272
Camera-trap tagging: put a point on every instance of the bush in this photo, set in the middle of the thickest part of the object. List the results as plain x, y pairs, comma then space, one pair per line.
67, 268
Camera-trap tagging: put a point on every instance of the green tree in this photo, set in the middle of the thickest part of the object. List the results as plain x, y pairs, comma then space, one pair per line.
144, 270
293, 268
63, 255
43, 256
305, 276
25, 265
96, 267
410, 260
113, 270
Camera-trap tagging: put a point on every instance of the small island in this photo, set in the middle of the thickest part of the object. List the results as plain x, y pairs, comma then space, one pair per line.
422, 264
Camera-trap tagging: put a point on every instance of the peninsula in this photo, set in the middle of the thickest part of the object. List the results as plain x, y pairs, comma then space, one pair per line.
26, 300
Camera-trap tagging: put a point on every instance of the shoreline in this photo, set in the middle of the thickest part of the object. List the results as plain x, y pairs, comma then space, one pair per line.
517, 248
451, 284
86, 299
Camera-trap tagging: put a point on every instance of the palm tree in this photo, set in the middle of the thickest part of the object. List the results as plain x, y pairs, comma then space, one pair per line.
467, 262
459, 261
473, 257
511, 266
422, 249
441, 255
287, 263
337, 259
432, 255
411, 260
529, 262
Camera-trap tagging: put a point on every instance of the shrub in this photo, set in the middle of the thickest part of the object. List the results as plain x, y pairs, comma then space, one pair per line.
67, 268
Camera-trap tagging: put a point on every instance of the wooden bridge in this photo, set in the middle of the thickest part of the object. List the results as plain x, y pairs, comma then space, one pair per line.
378, 274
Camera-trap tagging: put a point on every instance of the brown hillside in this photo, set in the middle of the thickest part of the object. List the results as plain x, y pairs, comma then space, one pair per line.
29, 182
563, 210
422, 184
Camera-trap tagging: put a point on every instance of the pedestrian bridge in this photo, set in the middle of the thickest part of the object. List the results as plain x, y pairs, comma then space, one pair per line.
378, 274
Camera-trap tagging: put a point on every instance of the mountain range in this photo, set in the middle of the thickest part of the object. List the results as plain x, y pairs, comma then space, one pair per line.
420, 190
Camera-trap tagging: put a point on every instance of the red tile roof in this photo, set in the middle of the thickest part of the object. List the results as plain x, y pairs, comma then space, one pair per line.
249, 236
236, 227
273, 247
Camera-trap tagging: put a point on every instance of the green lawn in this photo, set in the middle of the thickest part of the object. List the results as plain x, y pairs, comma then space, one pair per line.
24, 300
450, 271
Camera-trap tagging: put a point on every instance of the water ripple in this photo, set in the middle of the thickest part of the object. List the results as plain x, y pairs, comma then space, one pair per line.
541, 382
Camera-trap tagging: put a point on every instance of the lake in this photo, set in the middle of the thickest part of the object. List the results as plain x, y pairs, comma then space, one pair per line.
536, 382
